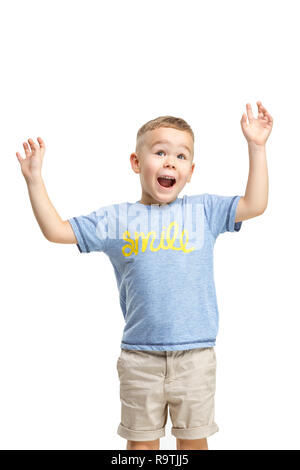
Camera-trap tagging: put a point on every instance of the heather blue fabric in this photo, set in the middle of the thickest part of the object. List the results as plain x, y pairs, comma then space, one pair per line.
166, 281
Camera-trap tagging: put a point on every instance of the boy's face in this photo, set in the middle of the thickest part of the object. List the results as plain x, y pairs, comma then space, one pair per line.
173, 156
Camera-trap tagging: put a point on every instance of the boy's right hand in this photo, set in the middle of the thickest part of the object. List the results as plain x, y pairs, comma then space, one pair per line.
31, 166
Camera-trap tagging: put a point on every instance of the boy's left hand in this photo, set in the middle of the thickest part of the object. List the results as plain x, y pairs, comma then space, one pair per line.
258, 130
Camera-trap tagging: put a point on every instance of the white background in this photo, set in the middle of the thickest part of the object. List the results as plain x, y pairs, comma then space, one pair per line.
85, 76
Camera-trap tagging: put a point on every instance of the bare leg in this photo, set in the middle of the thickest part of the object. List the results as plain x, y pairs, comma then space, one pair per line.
143, 445
192, 444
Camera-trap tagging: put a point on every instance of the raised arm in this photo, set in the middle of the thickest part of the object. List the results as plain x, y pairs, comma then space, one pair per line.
255, 201
52, 226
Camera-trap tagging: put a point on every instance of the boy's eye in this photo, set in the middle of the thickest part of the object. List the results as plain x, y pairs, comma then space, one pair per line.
161, 151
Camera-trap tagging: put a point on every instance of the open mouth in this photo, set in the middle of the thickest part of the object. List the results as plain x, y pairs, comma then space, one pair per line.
166, 182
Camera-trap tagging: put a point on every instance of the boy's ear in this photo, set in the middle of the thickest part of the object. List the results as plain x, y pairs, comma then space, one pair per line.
135, 162
192, 169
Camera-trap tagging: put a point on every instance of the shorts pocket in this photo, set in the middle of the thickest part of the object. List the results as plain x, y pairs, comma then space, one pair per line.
119, 360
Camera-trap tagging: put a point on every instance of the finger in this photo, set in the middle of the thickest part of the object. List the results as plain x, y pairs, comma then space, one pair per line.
269, 119
19, 157
41, 142
244, 120
266, 116
262, 109
32, 144
259, 104
249, 112
26, 148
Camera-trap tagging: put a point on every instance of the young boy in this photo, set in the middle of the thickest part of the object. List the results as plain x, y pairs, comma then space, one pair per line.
161, 248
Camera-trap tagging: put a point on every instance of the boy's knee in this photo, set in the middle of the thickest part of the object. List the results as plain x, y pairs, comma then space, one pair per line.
143, 445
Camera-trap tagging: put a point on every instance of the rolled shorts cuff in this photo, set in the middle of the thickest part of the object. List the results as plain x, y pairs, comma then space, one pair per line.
195, 433
132, 435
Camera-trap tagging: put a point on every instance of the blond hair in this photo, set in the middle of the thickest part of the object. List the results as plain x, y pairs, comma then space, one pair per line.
163, 121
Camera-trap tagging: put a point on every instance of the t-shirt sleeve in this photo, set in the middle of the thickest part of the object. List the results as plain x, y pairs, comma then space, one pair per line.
220, 212
90, 231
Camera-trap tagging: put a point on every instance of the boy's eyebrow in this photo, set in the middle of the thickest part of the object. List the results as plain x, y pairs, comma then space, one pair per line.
167, 142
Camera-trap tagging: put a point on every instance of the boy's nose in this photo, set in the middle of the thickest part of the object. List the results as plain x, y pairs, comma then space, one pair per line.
170, 162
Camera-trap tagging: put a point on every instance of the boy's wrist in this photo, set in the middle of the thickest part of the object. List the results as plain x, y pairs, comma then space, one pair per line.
34, 181
253, 146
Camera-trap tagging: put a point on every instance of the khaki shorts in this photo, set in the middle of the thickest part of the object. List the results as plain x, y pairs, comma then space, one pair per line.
152, 380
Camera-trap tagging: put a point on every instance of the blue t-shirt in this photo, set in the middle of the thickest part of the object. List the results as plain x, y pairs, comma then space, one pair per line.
163, 262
